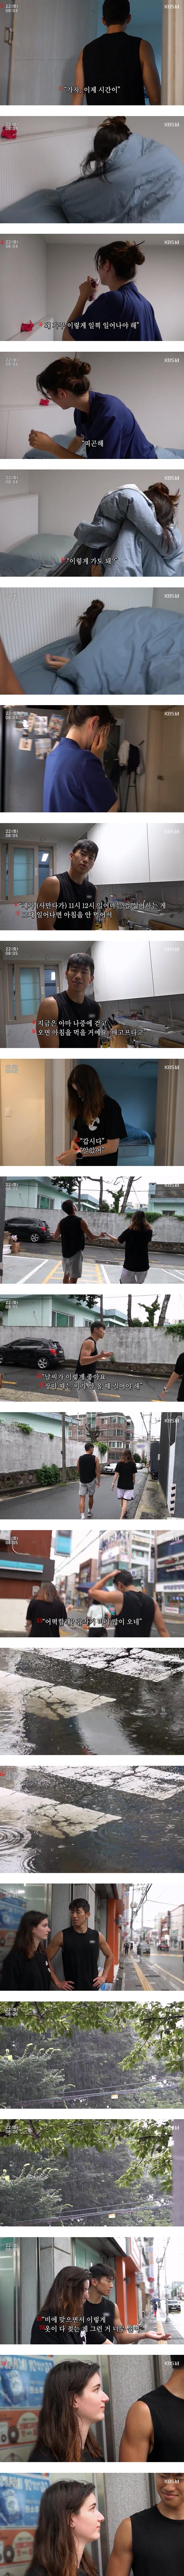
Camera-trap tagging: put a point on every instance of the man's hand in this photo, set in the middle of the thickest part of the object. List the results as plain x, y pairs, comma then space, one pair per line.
98, 1981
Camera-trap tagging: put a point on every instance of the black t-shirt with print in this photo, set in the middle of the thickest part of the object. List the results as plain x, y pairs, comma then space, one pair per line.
109, 1123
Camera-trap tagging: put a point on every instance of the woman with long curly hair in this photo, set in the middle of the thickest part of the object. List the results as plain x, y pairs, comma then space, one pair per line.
62, 2314
67, 2519
73, 2400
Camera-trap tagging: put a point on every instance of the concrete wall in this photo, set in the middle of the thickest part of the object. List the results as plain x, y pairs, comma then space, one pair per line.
119, 2499
28, 2286
60, 1914
130, 2374
136, 1346
52, 2254
45, 51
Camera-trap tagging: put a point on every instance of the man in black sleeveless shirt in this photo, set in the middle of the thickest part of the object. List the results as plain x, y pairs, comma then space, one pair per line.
117, 67
154, 2538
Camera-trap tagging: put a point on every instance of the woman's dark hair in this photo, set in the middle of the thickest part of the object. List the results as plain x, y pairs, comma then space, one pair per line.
89, 1090
65, 2298
58, 2425
79, 715
114, 131
54, 2543
137, 1220
125, 257
48, 1592
87, 622
23, 1940
64, 375
165, 503
126, 1457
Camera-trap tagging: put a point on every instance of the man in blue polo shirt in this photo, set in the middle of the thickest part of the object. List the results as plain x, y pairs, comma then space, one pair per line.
75, 780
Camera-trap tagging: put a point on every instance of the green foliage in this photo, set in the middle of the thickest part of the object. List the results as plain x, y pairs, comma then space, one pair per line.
176, 1330
149, 2145
25, 1428
48, 1475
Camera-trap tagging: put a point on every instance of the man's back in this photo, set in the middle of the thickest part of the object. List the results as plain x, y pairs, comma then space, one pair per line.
112, 70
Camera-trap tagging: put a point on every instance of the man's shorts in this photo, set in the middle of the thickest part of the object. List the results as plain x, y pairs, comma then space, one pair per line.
88, 1489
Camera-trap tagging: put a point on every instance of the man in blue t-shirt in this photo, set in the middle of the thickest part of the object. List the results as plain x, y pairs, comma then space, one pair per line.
75, 780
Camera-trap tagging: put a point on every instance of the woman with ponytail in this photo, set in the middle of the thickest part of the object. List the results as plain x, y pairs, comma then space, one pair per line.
58, 661
73, 2400
121, 311
130, 176
132, 532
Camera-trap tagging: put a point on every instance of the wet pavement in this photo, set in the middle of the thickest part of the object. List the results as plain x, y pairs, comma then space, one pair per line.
134, 1702
113, 1820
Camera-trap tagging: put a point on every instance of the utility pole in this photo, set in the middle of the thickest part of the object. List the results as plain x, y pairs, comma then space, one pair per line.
127, 1193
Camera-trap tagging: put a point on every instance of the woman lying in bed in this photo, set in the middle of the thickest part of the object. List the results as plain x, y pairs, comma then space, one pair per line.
144, 648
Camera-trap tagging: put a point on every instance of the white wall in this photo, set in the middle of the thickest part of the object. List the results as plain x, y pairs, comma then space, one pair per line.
45, 50
30, 618
23, 292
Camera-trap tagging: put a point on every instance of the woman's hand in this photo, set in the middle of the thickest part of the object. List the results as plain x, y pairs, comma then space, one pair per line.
54, 661
36, 438
70, 1154
88, 288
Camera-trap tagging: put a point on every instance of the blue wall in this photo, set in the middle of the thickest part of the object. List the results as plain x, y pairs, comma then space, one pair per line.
135, 1086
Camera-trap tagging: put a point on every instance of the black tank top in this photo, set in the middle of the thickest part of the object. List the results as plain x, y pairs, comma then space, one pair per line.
137, 1612
112, 70
167, 2414
157, 2544
85, 1368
